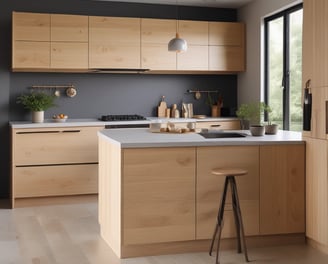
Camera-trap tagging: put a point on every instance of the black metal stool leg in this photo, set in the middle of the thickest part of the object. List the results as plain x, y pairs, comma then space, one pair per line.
240, 219
219, 221
236, 218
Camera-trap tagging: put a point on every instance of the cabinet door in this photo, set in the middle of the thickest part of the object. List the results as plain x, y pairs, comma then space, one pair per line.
31, 26
69, 28
158, 195
210, 187
38, 181
282, 196
155, 35
316, 190
31, 55
196, 35
114, 42
226, 58
55, 146
69, 55
31, 41
227, 46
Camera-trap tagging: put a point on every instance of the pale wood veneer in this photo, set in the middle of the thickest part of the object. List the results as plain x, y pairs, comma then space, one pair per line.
282, 199
114, 42
158, 195
53, 162
210, 187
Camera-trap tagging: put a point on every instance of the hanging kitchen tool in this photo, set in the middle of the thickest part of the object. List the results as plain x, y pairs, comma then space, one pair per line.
307, 107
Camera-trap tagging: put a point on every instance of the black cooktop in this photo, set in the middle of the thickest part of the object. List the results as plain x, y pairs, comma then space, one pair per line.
121, 117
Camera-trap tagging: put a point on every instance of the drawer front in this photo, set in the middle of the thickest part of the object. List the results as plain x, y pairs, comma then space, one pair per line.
55, 146
55, 180
232, 124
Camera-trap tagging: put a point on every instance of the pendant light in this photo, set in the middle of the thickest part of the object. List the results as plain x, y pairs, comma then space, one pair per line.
177, 44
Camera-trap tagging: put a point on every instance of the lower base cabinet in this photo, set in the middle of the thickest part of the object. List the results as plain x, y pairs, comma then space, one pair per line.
168, 198
210, 187
158, 195
282, 189
55, 180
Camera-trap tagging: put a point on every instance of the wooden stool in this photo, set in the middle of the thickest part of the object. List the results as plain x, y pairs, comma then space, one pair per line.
229, 174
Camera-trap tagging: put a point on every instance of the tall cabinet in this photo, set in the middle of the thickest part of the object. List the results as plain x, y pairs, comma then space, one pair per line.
315, 66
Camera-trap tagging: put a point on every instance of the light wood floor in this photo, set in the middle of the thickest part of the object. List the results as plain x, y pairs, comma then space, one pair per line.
69, 234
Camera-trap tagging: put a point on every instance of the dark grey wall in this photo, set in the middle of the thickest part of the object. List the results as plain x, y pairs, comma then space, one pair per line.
102, 93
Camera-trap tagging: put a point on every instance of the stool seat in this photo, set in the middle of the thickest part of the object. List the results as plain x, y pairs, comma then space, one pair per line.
229, 172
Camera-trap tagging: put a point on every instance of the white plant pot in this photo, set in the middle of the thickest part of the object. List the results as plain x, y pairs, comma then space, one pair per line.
37, 116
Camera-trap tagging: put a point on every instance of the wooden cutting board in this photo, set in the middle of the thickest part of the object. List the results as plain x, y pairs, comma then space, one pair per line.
161, 108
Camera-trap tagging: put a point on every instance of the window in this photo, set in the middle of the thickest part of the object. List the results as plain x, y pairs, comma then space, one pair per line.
283, 67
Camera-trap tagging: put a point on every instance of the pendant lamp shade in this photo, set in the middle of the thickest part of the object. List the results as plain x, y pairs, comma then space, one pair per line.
177, 44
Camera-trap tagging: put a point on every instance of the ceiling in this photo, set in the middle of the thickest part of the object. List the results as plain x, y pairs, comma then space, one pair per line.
202, 3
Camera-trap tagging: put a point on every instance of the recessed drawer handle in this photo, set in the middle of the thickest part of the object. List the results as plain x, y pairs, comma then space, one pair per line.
215, 125
38, 132
71, 131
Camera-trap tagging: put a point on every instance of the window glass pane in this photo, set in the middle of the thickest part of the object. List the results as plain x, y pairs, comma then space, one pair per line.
295, 66
275, 71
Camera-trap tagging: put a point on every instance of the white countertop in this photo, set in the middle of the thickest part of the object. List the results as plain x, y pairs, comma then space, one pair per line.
143, 138
95, 122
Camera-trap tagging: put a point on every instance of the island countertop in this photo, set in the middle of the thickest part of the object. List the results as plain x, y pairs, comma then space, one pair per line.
143, 138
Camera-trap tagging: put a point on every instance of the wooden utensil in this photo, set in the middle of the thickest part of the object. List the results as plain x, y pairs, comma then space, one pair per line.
161, 109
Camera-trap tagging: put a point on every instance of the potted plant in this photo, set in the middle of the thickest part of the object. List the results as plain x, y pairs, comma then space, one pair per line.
270, 129
37, 103
251, 117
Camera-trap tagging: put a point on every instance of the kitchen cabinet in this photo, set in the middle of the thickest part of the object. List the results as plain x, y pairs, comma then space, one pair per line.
75, 43
69, 41
158, 195
168, 196
196, 35
31, 41
49, 42
226, 46
317, 192
114, 42
209, 189
54, 162
282, 200
315, 66
155, 34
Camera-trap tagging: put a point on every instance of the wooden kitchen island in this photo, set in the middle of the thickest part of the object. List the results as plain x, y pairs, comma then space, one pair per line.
157, 195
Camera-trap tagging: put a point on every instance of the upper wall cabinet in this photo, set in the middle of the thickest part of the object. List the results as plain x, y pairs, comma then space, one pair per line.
155, 35
196, 35
114, 42
226, 46
49, 42
55, 42
31, 41
69, 42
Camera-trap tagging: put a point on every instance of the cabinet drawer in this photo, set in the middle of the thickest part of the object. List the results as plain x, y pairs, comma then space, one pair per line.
232, 124
55, 146
55, 180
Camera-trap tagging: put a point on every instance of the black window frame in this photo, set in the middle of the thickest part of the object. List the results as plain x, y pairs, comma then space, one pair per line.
285, 14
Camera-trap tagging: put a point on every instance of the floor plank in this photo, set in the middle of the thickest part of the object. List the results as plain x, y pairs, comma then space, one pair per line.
69, 234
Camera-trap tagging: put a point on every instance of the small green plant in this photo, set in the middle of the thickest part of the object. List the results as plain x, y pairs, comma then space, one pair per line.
252, 112
36, 101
